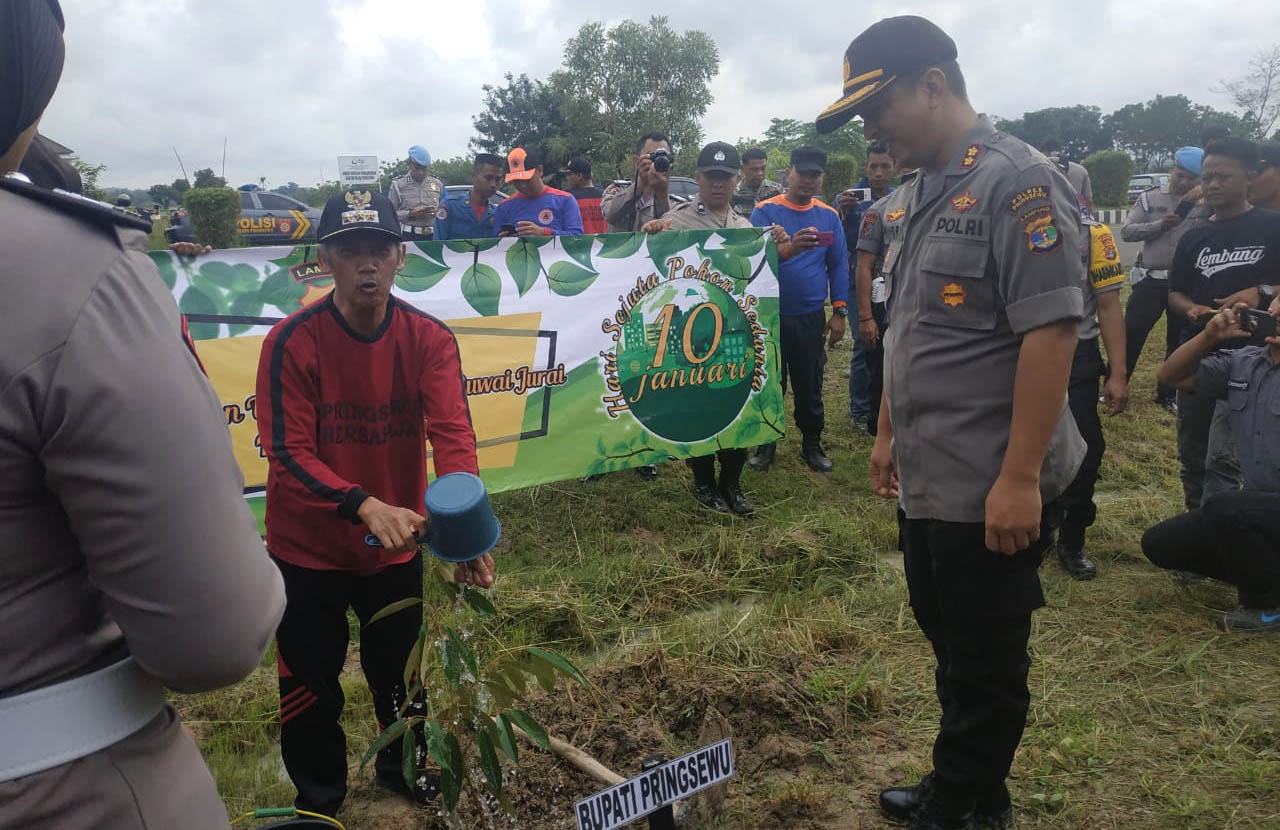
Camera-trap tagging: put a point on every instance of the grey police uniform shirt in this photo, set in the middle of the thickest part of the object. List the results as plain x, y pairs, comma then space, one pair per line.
693, 216
407, 194
1250, 383
1142, 224
625, 211
871, 240
123, 526
977, 256
1078, 177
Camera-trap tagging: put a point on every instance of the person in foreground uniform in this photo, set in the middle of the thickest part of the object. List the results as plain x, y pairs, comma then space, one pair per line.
351, 388
983, 273
131, 562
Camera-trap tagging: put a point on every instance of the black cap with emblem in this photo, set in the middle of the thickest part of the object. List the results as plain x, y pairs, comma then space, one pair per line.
719, 157
358, 209
809, 159
887, 50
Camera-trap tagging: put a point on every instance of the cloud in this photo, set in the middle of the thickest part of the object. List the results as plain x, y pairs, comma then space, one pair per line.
291, 84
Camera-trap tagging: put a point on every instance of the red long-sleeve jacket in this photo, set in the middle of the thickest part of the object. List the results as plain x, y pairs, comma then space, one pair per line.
342, 417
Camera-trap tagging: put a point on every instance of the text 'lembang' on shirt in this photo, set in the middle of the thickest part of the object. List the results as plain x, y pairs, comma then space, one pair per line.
342, 417
1217, 259
552, 209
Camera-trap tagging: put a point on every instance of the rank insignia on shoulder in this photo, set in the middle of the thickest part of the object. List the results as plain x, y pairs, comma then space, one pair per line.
964, 202
971, 154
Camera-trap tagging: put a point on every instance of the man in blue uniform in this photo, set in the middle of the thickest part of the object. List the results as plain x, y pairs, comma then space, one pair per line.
469, 215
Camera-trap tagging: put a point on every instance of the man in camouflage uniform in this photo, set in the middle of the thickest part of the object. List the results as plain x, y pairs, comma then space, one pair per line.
754, 187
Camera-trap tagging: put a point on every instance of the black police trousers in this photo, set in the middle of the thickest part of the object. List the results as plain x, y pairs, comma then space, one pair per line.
1149, 300
804, 357
1233, 537
874, 358
975, 607
1082, 398
731, 464
311, 647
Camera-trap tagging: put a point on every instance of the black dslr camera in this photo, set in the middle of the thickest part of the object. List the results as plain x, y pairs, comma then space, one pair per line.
661, 159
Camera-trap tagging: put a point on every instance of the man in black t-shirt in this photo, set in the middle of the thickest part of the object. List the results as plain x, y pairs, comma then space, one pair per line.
1233, 258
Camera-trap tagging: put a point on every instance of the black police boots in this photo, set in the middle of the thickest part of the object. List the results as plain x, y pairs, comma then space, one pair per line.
763, 457
908, 804
738, 503
813, 454
708, 495
1076, 563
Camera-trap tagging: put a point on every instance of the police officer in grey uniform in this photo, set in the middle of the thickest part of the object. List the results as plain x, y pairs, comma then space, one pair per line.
646, 197
1158, 218
130, 561
717, 176
416, 195
983, 272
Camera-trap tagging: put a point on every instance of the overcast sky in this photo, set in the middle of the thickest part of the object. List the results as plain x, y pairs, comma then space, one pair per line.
290, 84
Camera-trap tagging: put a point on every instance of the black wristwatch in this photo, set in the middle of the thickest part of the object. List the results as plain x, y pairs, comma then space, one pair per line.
1265, 295
843, 310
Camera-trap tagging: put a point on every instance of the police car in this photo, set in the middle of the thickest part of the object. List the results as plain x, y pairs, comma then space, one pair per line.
680, 188
265, 219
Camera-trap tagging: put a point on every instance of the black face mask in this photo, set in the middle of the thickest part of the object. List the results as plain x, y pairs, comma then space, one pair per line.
31, 55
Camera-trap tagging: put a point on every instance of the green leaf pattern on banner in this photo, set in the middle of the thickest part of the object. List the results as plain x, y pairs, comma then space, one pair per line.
482, 288
579, 247
420, 273
621, 245
525, 264
167, 271
664, 245
568, 279
196, 301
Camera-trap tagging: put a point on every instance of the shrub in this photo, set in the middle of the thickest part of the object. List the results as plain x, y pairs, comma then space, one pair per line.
843, 172
213, 213
1109, 170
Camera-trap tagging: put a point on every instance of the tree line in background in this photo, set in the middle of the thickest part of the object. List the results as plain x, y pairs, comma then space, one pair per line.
617, 83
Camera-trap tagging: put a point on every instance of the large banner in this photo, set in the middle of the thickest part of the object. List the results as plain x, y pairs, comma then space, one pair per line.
582, 354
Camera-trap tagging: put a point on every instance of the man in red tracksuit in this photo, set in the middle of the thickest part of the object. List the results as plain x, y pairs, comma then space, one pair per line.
349, 389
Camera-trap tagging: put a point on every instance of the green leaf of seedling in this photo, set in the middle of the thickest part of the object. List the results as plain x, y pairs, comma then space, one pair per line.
464, 652
498, 691
245, 305
409, 758
568, 280
489, 761
507, 738
531, 728
411, 666
558, 662
451, 661
451, 787
579, 247
437, 748
388, 737
398, 605
621, 245
478, 602
414, 691
525, 264
482, 289
420, 273
544, 671
514, 674
455, 762
196, 301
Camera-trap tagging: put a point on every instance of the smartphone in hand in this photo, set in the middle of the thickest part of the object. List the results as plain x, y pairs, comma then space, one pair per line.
1259, 324
1183, 209
507, 228
826, 238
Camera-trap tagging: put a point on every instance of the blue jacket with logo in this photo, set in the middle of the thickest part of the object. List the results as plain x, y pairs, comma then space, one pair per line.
456, 219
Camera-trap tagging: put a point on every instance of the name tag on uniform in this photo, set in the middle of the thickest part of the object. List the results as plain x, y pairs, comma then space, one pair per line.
1242, 385
962, 225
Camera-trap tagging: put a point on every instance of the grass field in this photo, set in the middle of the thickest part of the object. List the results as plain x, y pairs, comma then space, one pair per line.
792, 630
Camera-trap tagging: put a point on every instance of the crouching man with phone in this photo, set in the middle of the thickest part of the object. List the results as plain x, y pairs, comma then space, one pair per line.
1234, 536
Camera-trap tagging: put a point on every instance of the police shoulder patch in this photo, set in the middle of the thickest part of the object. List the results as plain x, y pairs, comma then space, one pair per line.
1042, 234
1035, 193
869, 220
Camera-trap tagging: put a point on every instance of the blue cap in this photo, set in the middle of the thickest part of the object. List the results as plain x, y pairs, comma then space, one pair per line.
1189, 158
419, 155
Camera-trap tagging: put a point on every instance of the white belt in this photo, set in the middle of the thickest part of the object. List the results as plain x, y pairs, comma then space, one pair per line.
48, 727
1156, 274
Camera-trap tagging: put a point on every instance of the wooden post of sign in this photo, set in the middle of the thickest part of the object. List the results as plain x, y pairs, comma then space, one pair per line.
664, 819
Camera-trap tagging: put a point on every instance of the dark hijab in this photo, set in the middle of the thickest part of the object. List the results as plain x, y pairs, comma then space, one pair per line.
31, 53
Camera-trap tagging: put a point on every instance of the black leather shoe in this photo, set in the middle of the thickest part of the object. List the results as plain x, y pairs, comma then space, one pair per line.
648, 472
763, 457
995, 820
901, 803
737, 502
927, 820
708, 496
815, 457
1076, 563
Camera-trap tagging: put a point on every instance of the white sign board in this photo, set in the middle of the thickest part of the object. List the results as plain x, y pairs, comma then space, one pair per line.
656, 788
357, 170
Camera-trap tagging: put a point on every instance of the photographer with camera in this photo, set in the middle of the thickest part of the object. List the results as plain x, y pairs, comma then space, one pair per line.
1233, 536
628, 208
